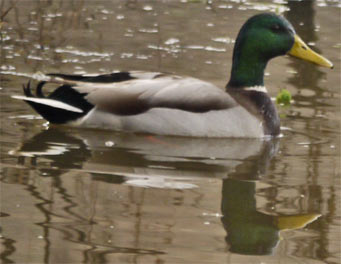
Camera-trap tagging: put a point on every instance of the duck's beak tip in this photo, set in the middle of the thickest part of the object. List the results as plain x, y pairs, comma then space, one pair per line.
302, 51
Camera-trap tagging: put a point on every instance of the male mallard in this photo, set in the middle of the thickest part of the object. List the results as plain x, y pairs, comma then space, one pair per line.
167, 104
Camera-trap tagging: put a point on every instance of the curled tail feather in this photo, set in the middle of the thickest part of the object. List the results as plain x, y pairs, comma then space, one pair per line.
61, 106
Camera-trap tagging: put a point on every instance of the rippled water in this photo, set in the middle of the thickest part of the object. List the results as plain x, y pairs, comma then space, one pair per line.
72, 196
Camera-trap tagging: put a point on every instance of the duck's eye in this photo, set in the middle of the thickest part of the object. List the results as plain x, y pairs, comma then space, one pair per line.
276, 28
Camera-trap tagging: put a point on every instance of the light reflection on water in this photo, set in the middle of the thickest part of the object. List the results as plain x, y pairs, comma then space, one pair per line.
95, 196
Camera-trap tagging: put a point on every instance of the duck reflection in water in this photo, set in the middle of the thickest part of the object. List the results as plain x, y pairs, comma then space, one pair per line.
251, 232
239, 163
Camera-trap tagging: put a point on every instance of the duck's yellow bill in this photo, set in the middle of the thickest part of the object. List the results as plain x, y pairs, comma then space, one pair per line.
302, 51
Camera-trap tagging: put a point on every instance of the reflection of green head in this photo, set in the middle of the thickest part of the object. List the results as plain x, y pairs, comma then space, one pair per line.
250, 232
251, 237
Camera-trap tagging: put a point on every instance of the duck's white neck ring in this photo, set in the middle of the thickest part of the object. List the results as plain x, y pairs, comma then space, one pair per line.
257, 88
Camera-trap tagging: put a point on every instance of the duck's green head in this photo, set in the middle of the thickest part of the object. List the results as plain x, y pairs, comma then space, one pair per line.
260, 39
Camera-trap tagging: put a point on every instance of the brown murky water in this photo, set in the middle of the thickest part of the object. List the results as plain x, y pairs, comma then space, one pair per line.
72, 196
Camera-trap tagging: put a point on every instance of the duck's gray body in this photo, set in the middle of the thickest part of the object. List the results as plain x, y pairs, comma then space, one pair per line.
152, 102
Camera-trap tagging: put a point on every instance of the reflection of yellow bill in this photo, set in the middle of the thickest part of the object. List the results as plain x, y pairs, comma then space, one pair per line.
302, 51
295, 221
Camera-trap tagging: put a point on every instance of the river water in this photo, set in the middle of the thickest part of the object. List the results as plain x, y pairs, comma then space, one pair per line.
86, 196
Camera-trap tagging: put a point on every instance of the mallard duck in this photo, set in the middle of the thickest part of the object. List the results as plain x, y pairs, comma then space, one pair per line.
167, 104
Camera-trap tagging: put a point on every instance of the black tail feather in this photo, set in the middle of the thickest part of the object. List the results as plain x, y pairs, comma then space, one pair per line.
39, 90
27, 89
65, 94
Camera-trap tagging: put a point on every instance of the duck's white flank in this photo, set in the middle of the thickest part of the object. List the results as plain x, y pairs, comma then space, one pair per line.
233, 122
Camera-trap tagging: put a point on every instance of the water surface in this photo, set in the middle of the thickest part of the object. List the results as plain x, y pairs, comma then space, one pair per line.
73, 196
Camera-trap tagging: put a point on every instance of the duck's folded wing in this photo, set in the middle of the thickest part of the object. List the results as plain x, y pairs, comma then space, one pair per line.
136, 96
123, 93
